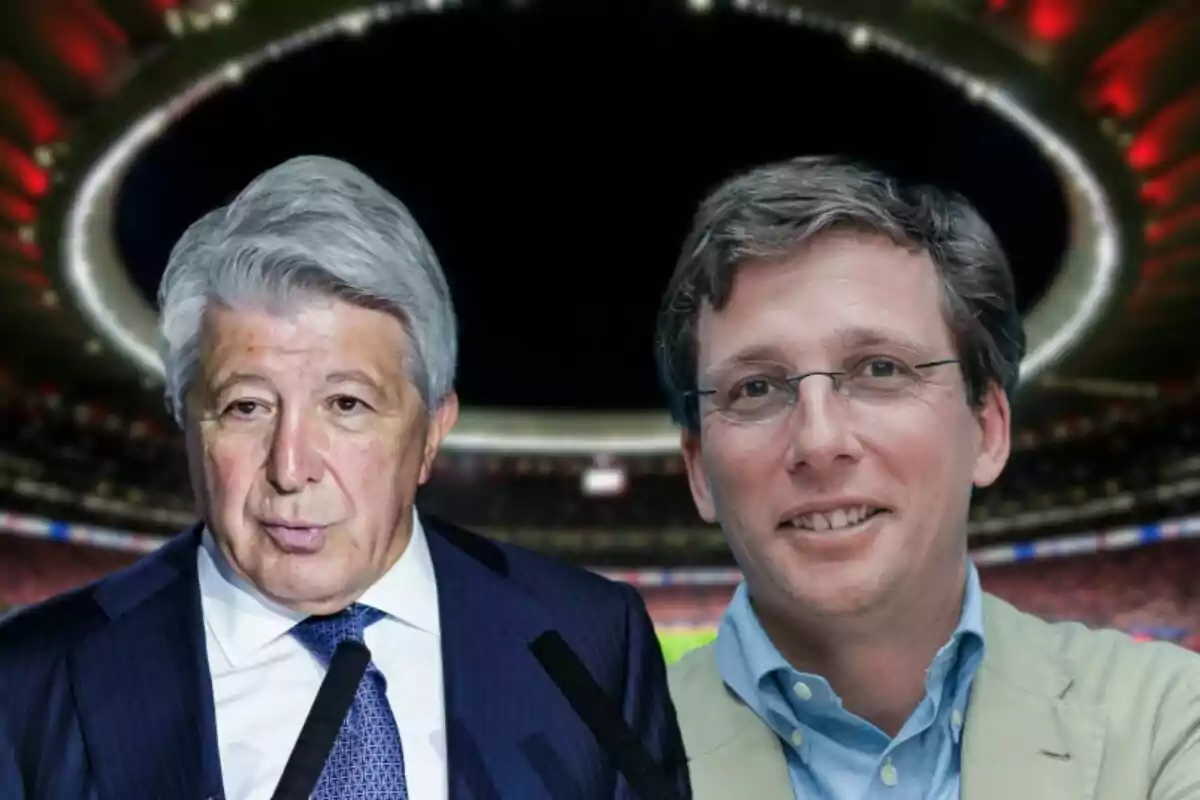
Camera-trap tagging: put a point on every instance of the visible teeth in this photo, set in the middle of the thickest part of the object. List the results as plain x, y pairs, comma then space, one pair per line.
833, 520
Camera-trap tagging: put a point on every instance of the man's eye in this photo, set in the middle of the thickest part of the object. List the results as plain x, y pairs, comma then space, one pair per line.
348, 405
754, 392
243, 408
881, 368
752, 388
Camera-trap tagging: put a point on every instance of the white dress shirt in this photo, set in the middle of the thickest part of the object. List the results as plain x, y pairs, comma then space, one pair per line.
264, 680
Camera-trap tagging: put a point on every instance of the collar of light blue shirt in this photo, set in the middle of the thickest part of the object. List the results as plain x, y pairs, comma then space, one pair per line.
753, 668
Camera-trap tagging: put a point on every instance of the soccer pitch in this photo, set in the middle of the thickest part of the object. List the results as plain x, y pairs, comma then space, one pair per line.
677, 641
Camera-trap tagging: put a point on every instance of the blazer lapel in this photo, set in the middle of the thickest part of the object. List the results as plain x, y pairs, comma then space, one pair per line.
751, 764
493, 739
1027, 736
142, 683
731, 752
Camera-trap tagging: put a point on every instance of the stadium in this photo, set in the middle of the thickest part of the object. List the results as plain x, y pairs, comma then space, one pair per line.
554, 159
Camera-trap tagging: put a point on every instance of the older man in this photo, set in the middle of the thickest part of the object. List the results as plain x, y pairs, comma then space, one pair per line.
309, 345
840, 349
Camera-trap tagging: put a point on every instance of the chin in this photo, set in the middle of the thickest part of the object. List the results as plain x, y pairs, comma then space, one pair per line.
312, 589
311, 600
823, 588
321, 607
846, 597
847, 604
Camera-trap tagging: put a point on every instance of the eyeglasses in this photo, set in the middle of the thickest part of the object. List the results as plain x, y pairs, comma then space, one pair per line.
748, 396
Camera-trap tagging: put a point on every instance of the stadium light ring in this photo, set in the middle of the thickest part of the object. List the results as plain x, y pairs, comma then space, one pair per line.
104, 291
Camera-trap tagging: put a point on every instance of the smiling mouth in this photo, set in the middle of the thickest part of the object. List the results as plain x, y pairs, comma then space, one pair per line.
836, 521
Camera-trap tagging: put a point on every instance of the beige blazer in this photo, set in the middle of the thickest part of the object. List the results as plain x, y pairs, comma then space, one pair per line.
1057, 712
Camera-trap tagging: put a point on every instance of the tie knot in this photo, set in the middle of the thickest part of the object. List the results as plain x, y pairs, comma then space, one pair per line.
322, 634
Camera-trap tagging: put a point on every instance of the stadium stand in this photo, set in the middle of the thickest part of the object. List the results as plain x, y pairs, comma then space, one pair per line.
1131, 466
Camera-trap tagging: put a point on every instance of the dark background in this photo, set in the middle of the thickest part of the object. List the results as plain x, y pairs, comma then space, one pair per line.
555, 160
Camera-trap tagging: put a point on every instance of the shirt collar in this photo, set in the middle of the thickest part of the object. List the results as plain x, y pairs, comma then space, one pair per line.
745, 654
749, 661
966, 655
960, 657
970, 622
242, 620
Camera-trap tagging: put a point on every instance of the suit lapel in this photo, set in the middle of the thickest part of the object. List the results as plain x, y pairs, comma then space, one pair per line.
751, 764
1027, 735
493, 738
142, 683
731, 752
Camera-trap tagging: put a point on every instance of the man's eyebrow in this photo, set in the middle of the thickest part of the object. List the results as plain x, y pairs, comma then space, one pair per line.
753, 354
233, 378
859, 337
856, 337
354, 376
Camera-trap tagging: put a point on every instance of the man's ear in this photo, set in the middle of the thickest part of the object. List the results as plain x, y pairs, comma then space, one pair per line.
690, 445
994, 437
441, 422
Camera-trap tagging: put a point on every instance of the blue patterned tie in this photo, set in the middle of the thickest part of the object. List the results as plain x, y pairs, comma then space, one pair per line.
367, 762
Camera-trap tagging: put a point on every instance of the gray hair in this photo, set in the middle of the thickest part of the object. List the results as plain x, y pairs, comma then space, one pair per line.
312, 225
773, 210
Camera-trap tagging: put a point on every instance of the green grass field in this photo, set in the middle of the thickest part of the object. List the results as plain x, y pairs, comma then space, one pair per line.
678, 641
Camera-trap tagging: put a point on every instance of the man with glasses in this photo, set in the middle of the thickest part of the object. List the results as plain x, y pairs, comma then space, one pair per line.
840, 350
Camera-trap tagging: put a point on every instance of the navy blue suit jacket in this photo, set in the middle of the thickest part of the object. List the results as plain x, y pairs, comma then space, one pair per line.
105, 692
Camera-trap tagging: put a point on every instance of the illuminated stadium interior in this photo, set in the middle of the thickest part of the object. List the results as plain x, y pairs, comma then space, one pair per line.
1074, 126
949, 125
576, 185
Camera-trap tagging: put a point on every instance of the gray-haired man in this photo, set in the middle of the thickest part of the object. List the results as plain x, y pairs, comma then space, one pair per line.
309, 344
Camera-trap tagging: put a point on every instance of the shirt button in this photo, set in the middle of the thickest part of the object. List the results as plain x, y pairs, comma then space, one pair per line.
797, 738
802, 691
956, 718
888, 774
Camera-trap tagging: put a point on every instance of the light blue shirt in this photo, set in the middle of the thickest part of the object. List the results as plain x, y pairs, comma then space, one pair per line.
836, 755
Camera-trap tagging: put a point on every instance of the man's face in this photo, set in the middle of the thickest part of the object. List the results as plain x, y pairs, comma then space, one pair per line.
307, 442
845, 303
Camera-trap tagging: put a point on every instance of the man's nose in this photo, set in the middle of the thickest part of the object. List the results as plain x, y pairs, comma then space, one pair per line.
821, 433
296, 457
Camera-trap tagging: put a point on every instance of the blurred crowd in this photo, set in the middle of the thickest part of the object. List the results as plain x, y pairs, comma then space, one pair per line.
80, 463
1151, 591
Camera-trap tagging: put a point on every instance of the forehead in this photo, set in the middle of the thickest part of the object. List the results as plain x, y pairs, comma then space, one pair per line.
306, 342
802, 306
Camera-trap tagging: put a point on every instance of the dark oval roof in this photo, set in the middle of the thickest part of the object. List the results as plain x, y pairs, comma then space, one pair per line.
1129, 66
557, 171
